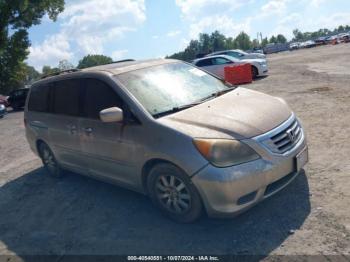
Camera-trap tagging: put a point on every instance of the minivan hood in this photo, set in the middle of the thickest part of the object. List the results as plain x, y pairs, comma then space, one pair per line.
239, 114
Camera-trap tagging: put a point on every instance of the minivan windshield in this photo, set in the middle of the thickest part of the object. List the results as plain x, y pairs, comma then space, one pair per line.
171, 87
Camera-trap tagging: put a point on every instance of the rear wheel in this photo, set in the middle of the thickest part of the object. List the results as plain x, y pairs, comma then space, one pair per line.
173, 192
49, 161
255, 72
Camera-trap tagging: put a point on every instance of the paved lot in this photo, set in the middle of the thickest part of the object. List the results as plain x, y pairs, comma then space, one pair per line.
78, 215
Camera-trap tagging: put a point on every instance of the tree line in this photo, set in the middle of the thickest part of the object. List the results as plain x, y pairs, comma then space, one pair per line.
207, 43
216, 41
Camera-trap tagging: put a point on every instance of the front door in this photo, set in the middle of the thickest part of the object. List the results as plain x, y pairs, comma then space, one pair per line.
109, 152
219, 64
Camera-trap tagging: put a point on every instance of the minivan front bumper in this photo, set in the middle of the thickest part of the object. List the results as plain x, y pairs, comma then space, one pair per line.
228, 191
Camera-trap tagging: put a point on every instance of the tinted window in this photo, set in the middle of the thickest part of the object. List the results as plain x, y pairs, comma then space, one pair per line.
98, 96
66, 97
38, 100
220, 61
204, 62
18, 93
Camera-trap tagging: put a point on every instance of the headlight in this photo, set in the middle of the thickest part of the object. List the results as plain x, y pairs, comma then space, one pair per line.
225, 152
262, 63
2, 107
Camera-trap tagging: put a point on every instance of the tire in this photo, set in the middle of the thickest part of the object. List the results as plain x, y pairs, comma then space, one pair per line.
172, 191
255, 72
49, 161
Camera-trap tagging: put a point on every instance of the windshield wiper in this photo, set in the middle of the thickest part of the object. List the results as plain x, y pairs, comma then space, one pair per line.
183, 107
219, 93
177, 109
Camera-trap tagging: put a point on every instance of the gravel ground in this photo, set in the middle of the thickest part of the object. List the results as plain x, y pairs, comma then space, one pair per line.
78, 215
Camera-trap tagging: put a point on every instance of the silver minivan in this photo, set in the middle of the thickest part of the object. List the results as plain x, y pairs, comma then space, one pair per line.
169, 130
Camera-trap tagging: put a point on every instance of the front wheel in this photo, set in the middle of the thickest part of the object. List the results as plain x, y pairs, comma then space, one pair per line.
172, 191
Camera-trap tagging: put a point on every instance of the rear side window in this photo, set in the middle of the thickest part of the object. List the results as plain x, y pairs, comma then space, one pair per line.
98, 96
204, 62
66, 97
38, 100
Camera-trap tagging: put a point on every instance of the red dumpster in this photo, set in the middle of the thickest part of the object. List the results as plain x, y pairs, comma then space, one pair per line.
239, 74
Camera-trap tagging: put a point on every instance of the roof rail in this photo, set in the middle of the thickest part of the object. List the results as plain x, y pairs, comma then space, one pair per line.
61, 72
114, 62
121, 61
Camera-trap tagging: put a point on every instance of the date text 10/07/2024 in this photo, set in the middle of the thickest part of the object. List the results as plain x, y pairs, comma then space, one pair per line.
173, 258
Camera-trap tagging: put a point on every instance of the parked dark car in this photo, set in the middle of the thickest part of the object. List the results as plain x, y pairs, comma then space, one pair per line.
17, 98
2, 110
309, 44
321, 40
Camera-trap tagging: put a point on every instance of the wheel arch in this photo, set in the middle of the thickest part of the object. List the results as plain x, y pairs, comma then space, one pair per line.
149, 165
38, 143
254, 67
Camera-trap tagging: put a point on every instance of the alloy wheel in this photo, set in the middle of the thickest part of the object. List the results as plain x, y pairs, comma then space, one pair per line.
173, 194
49, 160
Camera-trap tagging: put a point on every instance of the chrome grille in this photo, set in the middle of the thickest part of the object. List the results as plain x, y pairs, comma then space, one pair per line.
287, 138
284, 137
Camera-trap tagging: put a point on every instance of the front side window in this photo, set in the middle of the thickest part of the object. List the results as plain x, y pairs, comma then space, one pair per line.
66, 95
165, 87
221, 61
98, 96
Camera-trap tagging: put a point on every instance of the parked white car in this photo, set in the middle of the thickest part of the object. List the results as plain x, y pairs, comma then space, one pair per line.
294, 46
239, 54
216, 65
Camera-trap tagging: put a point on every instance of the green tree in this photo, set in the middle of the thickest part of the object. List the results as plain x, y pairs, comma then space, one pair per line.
17, 16
205, 43
94, 60
281, 39
273, 40
341, 28
47, 70
31, 75
264, 42
243, 41
298, 36
217, 41
255, 43
65, 65
192, 50
230, 43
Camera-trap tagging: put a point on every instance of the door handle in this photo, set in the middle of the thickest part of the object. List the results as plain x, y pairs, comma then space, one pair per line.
88, 130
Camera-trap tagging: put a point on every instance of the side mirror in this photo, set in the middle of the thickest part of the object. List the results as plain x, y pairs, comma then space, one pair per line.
112, 114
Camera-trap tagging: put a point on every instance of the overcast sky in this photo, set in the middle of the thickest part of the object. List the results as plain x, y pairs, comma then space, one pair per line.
154, 28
